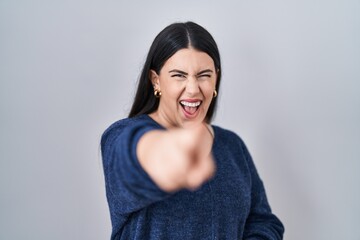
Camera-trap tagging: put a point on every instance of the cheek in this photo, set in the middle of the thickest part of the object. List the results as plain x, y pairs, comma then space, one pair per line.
208, 89
171, 87
171, 94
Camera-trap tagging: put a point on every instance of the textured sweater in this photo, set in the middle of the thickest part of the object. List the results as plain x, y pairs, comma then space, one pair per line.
232, 205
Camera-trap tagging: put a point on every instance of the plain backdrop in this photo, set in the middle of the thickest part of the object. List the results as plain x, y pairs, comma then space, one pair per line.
290, 89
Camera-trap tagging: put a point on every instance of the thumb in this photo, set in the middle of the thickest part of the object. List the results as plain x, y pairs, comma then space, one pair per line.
201, 171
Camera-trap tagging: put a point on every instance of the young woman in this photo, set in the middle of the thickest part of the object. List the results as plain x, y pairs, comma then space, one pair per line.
171, 175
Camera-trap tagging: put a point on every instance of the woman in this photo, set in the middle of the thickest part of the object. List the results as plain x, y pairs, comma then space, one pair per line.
168, 173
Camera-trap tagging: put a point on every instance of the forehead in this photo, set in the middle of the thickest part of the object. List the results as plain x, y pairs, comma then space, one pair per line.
189, 60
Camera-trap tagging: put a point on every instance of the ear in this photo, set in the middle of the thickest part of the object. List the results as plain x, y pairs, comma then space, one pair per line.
154, 78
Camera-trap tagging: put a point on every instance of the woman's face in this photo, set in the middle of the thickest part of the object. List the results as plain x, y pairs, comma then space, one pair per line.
187, 82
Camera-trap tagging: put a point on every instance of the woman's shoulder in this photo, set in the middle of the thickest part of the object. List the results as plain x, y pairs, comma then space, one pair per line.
226, 134
126, 122
229, 139
117, 127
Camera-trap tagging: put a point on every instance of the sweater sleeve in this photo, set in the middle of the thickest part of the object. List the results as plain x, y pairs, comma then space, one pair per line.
261, 223
129, 188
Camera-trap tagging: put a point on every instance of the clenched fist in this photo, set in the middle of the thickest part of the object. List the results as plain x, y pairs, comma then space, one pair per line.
177, 158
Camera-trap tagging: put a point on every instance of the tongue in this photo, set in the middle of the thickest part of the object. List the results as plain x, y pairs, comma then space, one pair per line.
190, 110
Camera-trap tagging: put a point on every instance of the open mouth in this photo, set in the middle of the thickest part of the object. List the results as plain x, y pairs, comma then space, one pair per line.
190, 108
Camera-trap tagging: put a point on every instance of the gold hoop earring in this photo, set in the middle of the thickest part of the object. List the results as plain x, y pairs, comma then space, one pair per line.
215, 93
157, 93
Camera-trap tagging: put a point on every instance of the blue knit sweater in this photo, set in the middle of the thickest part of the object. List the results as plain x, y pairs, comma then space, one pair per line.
232, 205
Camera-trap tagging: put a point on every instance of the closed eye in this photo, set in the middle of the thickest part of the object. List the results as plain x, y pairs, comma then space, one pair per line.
178, 75
207, 73
204, 75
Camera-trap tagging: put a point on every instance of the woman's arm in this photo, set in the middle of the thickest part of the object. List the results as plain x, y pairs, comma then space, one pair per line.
144, 164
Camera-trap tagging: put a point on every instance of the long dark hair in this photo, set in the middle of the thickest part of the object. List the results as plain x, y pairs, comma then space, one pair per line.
170, 40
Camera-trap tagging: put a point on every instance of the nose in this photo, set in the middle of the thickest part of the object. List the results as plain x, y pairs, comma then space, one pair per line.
192, 86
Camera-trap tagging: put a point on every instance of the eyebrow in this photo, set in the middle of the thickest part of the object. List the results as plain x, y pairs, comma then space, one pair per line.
182, 72
178, 71
205, 71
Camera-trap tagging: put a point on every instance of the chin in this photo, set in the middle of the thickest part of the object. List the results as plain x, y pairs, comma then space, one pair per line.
193, 122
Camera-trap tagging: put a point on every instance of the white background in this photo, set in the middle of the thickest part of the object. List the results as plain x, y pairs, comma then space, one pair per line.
290, 89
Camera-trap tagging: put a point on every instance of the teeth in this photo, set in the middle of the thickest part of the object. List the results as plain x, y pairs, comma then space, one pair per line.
190, 104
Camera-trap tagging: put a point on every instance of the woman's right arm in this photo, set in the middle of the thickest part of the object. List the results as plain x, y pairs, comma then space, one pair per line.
143, 165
